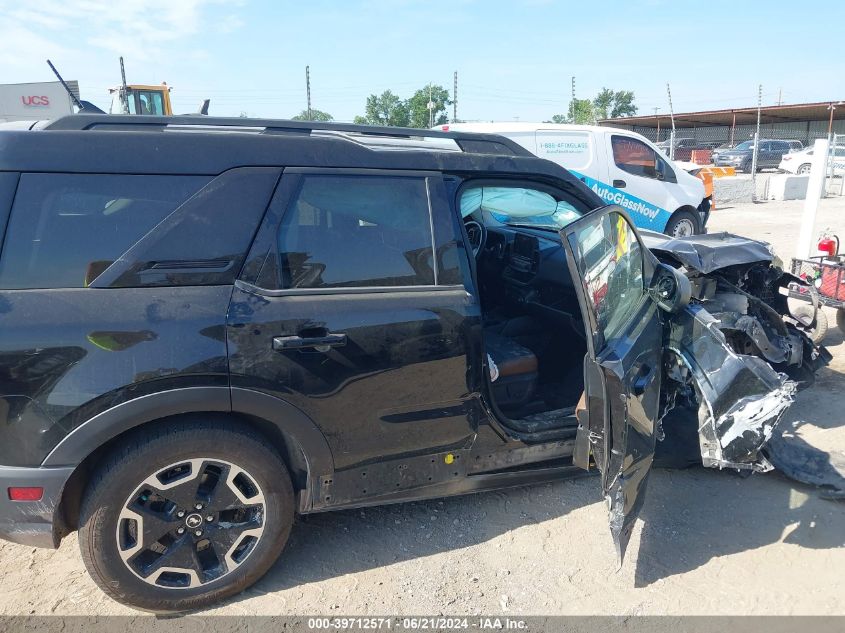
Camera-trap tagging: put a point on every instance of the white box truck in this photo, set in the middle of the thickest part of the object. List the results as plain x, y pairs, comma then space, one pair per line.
35, 101
622, 167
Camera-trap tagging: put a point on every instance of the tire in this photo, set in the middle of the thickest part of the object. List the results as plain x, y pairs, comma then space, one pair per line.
126, 496
682, 223
804, 314
804, 169
746, 168
840, 319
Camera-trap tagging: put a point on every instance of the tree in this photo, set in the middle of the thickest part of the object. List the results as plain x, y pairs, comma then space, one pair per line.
558, 118
385, 109
623, 104
316, 115
610, 104
418, 106
580, 112
603, 103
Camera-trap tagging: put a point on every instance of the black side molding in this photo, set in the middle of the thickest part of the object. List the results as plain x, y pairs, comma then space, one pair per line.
104, 426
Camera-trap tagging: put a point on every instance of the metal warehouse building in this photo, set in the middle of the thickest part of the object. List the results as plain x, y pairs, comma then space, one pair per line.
804, 122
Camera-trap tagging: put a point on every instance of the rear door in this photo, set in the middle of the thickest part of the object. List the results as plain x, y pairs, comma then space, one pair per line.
622, 371
351, 307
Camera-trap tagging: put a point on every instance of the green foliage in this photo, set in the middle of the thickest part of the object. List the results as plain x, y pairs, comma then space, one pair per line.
388, 109
316, 115
610, 104
418, 106
385, 109
580, 112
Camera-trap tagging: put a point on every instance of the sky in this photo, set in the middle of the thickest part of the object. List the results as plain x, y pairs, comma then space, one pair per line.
515, 60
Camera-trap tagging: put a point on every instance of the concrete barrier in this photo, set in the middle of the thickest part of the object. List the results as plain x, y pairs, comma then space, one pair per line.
787, 187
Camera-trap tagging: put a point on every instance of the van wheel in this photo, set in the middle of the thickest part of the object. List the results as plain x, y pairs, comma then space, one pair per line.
178, 518
682, 224
804, 169
804, 314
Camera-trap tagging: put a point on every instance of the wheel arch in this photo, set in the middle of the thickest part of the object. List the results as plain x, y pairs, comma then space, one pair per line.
298, 440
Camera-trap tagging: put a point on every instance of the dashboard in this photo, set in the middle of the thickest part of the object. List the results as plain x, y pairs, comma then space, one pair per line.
528, 268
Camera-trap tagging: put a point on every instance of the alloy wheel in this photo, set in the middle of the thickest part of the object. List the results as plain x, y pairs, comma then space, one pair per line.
191, 523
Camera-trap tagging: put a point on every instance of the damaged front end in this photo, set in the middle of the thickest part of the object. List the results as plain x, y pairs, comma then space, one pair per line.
739, 398
735, 355
743, 285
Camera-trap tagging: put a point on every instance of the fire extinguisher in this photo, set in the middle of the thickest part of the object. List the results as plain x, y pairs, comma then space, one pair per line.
829, 245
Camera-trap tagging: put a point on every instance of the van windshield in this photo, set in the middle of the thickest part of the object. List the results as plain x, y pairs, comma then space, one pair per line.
519, 205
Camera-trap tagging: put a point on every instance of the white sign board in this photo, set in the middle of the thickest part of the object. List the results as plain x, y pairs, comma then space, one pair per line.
35, 101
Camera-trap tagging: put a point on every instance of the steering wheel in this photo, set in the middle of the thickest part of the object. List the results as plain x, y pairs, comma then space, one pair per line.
477, 234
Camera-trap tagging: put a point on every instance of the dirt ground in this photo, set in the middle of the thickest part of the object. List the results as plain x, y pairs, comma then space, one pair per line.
708, 542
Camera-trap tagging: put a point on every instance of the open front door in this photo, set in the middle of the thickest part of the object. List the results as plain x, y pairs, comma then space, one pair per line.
622, 368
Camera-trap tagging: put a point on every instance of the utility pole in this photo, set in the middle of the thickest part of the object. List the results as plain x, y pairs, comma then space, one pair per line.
657, 138
308, 90
672, 119
780, 95
756, 152
430, 107
455, 100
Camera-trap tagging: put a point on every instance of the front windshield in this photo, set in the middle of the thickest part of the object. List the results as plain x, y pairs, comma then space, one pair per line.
745, 145
519, 205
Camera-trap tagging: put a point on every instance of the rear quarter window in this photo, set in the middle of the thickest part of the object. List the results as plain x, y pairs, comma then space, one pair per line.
65, 229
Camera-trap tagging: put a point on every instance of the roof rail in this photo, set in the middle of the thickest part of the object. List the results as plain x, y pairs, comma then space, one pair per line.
466, 141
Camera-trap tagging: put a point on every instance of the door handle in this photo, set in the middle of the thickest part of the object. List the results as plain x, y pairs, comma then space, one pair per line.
321, 343
620, 184
641, 380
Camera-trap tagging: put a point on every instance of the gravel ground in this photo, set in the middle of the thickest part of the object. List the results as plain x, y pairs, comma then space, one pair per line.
708, 542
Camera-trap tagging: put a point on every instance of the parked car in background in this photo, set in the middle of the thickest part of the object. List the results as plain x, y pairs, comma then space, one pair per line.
800, 162
741, 157
621, 166
684, 147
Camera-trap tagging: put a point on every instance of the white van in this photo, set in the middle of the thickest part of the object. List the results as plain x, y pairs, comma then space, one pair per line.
622, 167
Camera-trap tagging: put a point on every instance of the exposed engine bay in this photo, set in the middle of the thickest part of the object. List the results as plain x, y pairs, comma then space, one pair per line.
739, 294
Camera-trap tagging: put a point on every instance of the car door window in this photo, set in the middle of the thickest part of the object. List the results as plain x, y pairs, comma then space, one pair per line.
357, 231
634, 156
612, 263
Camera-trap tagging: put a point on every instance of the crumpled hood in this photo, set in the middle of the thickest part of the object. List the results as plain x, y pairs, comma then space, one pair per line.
709, 252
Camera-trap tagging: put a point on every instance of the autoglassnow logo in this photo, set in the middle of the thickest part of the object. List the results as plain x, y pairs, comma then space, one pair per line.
35, 100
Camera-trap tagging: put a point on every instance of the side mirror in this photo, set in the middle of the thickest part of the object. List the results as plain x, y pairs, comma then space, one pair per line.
670, 289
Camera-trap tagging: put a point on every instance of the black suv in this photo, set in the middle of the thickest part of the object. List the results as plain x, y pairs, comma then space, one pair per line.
210, 326
742, 156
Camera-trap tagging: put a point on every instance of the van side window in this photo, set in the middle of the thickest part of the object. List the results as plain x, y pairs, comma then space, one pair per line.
348, 231
66, 229
634, 156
